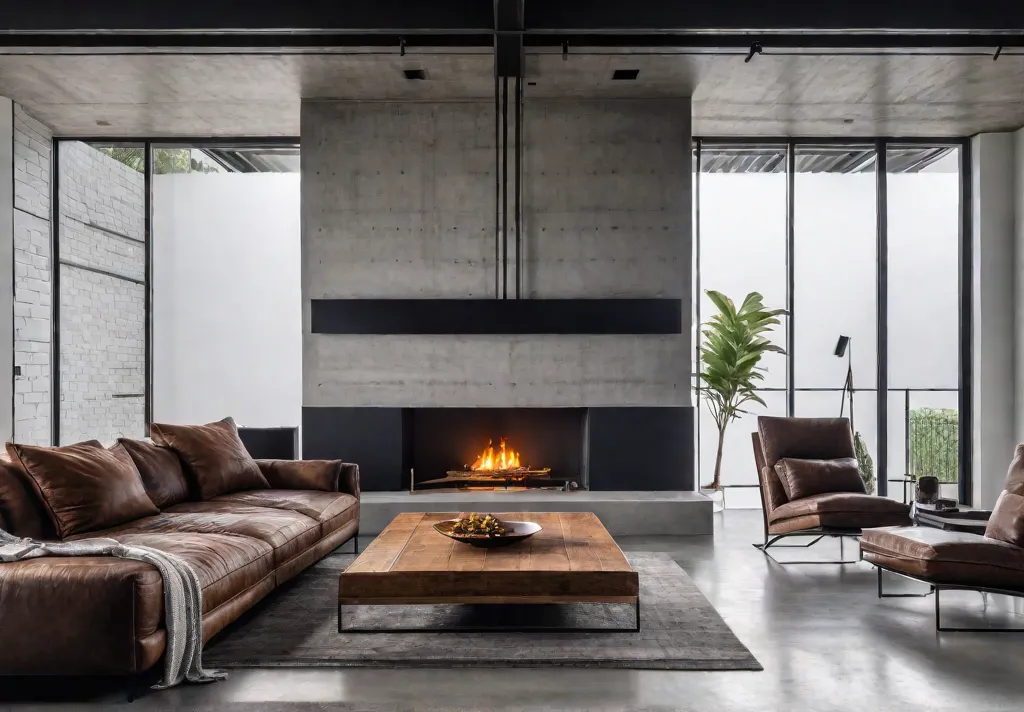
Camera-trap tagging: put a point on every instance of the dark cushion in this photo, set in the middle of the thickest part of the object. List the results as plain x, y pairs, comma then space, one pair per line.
22, 512
319, 475
805, 478
84, 486
838, 510
805, 438
214, 455
162, 472
331, 509
1007, 520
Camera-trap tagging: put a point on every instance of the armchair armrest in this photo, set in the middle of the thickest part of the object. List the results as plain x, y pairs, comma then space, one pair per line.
322, 475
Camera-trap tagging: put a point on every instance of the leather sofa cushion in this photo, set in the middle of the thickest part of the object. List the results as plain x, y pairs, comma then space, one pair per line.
214, 455
804, 478
85, 487
22, 512
321, 475
226, 564
332, 509
289, 533
1007, 520
161, 470
838, 510
946, 557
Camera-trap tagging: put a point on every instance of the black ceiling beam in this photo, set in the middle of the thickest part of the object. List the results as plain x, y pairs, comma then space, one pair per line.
213, 16
509, 57
759, 16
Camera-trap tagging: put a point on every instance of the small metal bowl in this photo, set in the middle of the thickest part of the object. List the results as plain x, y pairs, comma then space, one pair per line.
514, 531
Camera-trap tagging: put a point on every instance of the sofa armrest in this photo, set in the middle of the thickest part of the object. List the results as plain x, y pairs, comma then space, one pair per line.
80, 616
322, 475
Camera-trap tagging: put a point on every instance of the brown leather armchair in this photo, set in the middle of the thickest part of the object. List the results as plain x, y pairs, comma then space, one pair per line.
951, 560
809, 484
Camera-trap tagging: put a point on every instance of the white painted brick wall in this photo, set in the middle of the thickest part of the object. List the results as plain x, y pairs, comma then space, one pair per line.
102, 349
32, 279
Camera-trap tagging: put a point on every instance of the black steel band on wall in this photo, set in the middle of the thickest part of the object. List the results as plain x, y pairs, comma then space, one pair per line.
628, 448
496, 316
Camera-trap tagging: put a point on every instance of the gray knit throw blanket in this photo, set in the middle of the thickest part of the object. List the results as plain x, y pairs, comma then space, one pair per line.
183, 598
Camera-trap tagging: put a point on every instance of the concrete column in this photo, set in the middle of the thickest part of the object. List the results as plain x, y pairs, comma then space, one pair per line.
997, 324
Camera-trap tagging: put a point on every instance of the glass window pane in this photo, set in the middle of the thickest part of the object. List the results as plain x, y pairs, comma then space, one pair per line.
226, 233
738, 450
743, 232
923, 186
834, 264
102, 292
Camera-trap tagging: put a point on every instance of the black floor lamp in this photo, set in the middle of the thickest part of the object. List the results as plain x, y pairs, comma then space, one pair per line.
843, 348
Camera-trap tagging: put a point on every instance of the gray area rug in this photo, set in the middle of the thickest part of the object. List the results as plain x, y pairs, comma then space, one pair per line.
297, 627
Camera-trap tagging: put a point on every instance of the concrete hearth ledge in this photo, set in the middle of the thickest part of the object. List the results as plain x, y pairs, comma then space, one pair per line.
622, 513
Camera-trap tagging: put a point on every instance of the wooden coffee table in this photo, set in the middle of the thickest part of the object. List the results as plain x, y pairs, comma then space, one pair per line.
572, 560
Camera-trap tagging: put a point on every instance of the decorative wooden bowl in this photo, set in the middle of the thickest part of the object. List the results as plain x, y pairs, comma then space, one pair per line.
514, 531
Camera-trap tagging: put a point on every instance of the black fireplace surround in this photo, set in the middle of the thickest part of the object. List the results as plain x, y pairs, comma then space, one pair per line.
602, 448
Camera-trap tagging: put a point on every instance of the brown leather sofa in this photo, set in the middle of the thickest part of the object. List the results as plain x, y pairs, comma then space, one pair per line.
958, 560
94, 615
810, 486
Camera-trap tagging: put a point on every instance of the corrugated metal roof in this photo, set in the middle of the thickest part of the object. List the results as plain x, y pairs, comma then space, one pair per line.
745, 158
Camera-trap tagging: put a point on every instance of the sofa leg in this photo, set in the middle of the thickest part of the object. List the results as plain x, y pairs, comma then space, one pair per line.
772, 542
355, 544
882, 594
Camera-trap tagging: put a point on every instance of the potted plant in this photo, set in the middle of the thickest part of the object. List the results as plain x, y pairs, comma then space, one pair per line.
734, 342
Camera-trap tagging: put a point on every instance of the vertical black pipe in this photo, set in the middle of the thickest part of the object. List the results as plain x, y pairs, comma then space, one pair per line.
906, 433
504, 188
148, 304
519, 185
55, 291
497, 185
966, 330
697, 295
790, 277
882, 316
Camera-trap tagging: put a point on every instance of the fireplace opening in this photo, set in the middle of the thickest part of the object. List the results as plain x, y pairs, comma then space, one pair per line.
502, 449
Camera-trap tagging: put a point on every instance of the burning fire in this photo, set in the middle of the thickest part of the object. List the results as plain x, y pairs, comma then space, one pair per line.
496, 461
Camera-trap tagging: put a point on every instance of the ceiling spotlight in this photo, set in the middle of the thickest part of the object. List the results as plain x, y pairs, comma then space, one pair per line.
415, 74
625, 74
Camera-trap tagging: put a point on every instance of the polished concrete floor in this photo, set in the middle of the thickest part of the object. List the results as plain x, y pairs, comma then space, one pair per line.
825, 640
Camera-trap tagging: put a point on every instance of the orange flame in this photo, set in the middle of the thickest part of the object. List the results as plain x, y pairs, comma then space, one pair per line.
491, 461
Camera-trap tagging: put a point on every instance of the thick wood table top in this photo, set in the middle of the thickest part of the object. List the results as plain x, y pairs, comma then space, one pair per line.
573, 558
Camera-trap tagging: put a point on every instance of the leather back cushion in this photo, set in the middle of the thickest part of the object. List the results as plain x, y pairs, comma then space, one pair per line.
1015, 475
22, 512
85, 487
805, 438
1007, 520
214, 456
805, 478
162, 473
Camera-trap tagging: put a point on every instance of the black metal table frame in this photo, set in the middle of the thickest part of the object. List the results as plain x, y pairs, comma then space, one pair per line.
936, 588
818, 533
489, 629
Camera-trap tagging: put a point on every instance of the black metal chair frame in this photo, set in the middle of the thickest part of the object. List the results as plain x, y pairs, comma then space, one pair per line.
819, 533
936, 588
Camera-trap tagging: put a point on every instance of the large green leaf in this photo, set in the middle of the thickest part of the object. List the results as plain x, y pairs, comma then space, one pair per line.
734, 342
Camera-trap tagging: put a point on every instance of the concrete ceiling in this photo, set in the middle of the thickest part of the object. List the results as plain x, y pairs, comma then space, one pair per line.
259, 94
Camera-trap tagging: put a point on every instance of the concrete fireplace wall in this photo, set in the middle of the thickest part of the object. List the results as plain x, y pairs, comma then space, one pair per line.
398, 200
